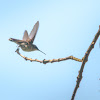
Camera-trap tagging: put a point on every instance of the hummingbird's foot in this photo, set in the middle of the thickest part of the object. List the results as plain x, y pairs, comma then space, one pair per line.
17, 50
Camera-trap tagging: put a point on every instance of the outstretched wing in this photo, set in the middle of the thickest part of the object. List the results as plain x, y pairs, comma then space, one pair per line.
25, 37
34, 31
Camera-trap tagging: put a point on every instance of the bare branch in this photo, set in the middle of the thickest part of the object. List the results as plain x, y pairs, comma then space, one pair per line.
85, 59
49, 61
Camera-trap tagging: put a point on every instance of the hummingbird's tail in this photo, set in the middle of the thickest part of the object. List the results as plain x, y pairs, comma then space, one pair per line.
41, 51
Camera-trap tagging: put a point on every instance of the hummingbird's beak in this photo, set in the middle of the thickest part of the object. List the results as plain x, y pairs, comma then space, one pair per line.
42, 51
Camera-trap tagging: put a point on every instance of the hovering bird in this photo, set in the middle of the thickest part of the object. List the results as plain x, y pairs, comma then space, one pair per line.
26, 43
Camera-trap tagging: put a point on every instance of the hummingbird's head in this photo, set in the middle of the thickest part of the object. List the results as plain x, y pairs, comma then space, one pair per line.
35, 47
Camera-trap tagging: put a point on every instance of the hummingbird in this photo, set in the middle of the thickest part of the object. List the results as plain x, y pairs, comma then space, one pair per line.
26, 44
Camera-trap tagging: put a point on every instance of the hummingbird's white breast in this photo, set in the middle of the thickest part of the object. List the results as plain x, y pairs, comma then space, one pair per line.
27, 48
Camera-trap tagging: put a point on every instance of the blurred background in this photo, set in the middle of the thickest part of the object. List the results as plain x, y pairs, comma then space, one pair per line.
67, 27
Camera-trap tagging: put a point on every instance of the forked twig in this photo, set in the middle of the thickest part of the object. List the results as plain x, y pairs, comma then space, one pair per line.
85, 59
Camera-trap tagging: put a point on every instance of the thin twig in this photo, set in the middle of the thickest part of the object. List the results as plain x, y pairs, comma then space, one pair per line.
85, 59
49, 61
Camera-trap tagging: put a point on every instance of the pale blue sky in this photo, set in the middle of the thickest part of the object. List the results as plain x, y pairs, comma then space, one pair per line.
66, 28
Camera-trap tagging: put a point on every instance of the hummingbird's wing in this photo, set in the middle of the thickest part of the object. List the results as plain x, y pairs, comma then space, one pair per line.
33, 32
25, 36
